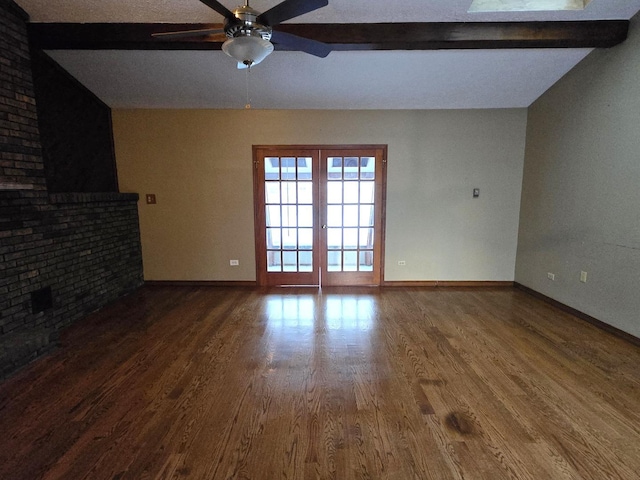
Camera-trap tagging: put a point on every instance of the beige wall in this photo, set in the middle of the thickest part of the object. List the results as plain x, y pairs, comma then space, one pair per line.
198, 163
581, 191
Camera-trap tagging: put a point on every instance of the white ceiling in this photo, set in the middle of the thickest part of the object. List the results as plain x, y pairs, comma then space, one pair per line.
292, 80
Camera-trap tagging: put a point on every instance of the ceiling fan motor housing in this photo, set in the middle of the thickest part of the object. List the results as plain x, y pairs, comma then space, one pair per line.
245, 24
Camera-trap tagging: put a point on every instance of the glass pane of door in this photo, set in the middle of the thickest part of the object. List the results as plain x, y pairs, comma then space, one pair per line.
289, 214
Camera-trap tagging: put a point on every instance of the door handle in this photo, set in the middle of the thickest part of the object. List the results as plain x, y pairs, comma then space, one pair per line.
324, 226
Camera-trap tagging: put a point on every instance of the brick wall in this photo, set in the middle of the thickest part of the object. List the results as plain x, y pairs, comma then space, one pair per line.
61, 255
20, 157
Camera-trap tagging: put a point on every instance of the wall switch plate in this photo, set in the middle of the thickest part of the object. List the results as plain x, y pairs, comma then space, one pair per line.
151, 198
551, 276
476, 192
583, 276
234, 263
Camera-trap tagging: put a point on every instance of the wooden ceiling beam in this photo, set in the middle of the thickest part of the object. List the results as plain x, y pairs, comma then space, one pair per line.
363, 36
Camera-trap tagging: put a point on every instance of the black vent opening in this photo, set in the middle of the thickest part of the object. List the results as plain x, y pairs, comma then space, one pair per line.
41, 300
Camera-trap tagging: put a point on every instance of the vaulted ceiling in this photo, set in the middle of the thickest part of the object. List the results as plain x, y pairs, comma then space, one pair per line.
435, 54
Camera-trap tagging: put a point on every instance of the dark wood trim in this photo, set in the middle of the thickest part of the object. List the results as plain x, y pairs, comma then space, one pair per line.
259, 240
350, 146
199, 283
383, 210
447, 283
354, 36
581, 315
465, 35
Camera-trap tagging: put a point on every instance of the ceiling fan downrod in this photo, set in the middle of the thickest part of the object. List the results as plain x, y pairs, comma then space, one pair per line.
245, 23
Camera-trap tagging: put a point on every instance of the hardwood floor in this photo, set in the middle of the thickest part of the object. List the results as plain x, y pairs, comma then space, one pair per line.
397, 383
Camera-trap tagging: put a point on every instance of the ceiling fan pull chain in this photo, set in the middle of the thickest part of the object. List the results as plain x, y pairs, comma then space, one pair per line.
248, 104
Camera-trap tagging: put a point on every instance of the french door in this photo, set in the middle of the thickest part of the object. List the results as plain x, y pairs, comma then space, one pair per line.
319, 214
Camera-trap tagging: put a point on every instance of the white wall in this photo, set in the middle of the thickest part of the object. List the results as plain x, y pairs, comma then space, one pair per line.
198, 163
581, 190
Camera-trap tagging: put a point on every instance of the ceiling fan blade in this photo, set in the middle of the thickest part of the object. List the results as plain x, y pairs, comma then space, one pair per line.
301, 44
218, 7
289, 9
189, 33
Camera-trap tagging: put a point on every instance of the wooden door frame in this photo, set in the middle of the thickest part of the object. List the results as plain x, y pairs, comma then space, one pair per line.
261, 273
260, 218
360, 278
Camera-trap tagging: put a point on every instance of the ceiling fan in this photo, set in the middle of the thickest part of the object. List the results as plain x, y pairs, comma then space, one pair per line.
251, 34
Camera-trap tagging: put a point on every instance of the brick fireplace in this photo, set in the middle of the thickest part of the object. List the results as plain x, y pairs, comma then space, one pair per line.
69, 241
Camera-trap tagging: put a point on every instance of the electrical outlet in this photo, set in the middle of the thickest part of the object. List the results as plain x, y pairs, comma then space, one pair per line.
402, 263
151, 198
234, 263
476, 192
583, 276
551, 276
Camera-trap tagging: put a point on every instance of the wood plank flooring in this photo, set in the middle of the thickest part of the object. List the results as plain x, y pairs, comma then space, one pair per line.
397, 383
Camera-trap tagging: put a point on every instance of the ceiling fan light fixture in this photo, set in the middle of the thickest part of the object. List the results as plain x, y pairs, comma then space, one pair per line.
248, 49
